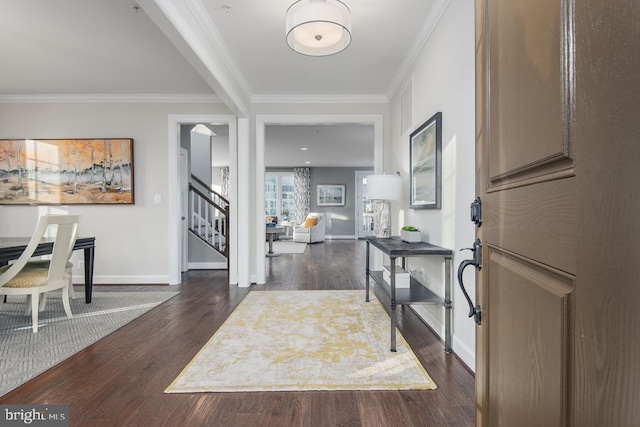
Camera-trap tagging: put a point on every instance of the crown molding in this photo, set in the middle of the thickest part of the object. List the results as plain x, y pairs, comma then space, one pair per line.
438, 9
191, 99
319, 99
108, 98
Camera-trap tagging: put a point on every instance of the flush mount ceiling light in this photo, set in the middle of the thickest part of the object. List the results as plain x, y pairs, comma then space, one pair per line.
318, 27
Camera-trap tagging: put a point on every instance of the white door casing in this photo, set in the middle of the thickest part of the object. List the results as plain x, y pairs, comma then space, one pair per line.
174, 208
262, 120
184, 214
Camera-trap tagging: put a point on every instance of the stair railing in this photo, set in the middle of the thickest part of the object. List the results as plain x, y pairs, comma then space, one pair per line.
209, 218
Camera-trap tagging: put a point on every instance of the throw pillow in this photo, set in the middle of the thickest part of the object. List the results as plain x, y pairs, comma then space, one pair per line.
310, 222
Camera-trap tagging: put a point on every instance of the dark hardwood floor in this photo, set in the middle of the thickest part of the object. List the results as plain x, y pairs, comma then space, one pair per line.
120, 380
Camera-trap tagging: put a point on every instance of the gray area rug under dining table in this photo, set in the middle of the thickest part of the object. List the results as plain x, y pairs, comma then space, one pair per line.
24, 354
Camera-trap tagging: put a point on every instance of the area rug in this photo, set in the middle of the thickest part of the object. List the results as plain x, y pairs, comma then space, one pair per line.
288, 247
23, 354
303, 340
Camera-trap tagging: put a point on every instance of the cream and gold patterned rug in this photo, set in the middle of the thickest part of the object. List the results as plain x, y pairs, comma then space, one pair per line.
303, 340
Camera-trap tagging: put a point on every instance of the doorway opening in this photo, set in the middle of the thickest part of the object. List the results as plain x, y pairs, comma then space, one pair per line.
176, 174
262, 121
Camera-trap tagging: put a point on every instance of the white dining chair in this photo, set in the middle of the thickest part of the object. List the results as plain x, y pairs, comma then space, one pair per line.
15, 279
44, 264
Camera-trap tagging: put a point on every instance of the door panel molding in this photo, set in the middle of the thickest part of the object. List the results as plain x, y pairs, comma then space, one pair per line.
529, 307
544, 170
531, 84
536, 221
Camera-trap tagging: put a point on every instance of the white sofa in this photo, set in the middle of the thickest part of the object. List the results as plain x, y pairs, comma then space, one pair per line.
311, 234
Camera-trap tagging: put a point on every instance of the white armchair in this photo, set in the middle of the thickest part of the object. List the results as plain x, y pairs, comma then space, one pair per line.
313, 233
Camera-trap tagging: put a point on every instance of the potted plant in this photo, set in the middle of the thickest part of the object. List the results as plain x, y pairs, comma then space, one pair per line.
410, 234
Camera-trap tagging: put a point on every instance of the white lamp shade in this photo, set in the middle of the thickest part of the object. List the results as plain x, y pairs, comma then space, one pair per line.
384, 187
318, 27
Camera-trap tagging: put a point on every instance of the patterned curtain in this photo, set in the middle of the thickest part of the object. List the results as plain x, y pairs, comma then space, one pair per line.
302, 195
224, 186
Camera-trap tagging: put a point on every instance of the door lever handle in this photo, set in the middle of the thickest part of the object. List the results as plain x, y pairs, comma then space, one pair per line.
476, 261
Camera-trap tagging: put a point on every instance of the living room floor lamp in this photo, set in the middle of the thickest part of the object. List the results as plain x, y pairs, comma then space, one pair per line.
382, 189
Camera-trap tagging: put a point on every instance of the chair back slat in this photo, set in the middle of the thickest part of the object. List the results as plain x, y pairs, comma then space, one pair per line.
66, 234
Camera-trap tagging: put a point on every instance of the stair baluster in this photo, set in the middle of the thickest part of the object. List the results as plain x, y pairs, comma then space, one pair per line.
209, 214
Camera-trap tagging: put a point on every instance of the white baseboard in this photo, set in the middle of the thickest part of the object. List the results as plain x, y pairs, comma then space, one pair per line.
466, 354
123, 280
340, 237
143, 280
207, 266
252, 280
428, 318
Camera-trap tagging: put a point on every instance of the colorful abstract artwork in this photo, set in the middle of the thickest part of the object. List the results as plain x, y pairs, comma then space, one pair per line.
66, 171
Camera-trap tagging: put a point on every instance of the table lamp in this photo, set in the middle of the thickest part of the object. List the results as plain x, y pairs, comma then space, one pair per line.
382, 189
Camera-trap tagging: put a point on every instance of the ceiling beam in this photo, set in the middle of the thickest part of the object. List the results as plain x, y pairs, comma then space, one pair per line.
188, 26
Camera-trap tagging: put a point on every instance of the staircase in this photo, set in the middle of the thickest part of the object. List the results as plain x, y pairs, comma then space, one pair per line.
209, 216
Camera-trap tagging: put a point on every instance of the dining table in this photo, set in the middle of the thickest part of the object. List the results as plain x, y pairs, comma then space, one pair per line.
12, 247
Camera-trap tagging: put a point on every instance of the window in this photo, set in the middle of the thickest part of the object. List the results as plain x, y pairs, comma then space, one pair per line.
279, 195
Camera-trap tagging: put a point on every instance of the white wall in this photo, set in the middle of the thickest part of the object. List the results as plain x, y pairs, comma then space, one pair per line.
131, 241
443, 80
200, 156
216, 178
219, 159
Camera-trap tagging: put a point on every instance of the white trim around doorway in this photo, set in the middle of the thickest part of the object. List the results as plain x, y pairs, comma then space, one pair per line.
262, 120
173, 167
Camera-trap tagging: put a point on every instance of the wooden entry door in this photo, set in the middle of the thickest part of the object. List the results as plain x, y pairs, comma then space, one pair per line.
558, 161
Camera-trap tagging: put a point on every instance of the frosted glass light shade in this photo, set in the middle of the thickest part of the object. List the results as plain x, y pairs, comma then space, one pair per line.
318, 27
384, 187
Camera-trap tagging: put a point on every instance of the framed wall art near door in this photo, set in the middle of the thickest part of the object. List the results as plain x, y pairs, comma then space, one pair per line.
330, 195
425, 158
66, 171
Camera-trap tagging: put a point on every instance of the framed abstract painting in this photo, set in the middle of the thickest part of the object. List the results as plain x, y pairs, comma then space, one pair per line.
425, 157
66, 171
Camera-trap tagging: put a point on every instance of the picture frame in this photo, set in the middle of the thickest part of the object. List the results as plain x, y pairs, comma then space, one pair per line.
330, 195
66, 171
425, 164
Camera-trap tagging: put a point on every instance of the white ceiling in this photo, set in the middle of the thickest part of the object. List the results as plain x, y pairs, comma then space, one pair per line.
88, 47
321, 145
335, 145
382, 34
107, 47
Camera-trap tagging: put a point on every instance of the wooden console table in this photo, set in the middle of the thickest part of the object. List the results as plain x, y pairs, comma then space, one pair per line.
394, 247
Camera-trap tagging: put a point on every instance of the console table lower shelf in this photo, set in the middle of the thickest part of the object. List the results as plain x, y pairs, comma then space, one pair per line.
416, 293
